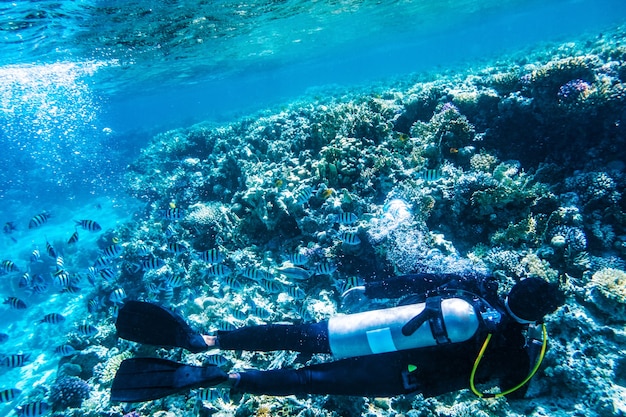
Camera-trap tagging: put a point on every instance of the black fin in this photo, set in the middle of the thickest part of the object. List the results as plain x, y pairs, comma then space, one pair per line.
145, 379
154, 325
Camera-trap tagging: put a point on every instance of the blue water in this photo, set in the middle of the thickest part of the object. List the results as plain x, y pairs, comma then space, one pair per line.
85, 85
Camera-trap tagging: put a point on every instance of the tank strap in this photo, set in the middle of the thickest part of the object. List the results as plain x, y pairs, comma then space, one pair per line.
432, 314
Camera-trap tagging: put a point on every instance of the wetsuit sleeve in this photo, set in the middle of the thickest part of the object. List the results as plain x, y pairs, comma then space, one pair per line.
306, 338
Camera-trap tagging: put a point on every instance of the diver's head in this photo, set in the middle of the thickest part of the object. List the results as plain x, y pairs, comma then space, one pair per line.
532, 298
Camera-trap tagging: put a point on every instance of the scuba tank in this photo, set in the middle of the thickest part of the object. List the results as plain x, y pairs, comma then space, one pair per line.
436, 321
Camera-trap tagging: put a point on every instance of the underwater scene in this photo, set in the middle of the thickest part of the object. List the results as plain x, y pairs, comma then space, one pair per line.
271, 163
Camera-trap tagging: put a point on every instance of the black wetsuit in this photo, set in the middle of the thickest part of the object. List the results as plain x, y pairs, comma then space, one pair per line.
434, 371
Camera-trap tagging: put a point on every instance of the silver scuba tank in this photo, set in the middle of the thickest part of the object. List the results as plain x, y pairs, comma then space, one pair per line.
380, 331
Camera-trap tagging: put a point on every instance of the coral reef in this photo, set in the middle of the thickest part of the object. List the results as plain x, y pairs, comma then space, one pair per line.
68, 392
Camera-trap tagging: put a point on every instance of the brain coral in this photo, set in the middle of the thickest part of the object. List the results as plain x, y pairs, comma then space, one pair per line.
607, 290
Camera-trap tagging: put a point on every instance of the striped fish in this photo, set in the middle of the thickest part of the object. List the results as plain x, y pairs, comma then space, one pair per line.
50, 250
118, 295
15, 303
174, 281
73, 239
113, 250
213, 394
15, 361
271, 286
173, 213
346, 218
52, 318
218, 271
9, 266
64, 350
176, 248
211, 256
152, 264
25, 281
35, 409
89, 225
303, 195
108, 274
86, 329
101, 262
255, 274
38, 220
429, 175
8, 395
216, 359
233, 283
296, 292
349, 238
35, 255
325, 268
298, 258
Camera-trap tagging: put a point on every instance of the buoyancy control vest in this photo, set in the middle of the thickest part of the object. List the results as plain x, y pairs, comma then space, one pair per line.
438, 320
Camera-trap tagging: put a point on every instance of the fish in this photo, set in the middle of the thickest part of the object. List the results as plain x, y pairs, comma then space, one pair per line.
218, 271
298, 258
34, 409
35, 255
50, 250
271, 286
15, 360
152, 264
303, 196
60, 262
346, 218
296, 292
3, 337
9, 266
9, 227
255, 274
62, 278
233, 283
88, 225
294, 273
174, 281
86, 329
173, 213
349, 238
118, 295
260, 312
101, 262
211, 256
73, 239
325, 268
113, 250
52, 318
213, 394
15, 303
65, 350
25, 281
216, 359
430, 175
176, 248
38, 220
8, 395
108, 274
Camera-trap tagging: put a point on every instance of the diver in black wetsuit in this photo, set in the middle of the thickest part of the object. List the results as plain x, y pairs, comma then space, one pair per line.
457, 334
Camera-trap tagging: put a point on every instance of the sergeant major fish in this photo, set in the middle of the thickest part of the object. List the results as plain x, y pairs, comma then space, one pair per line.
89, 225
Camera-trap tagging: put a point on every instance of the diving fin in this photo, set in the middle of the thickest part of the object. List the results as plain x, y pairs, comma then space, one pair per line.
155, 325
145, 379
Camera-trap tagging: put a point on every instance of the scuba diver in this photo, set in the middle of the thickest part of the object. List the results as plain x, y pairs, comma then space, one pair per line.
456, 334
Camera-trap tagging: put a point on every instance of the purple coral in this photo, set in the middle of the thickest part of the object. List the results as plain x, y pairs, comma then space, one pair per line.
571, 90
68, 392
